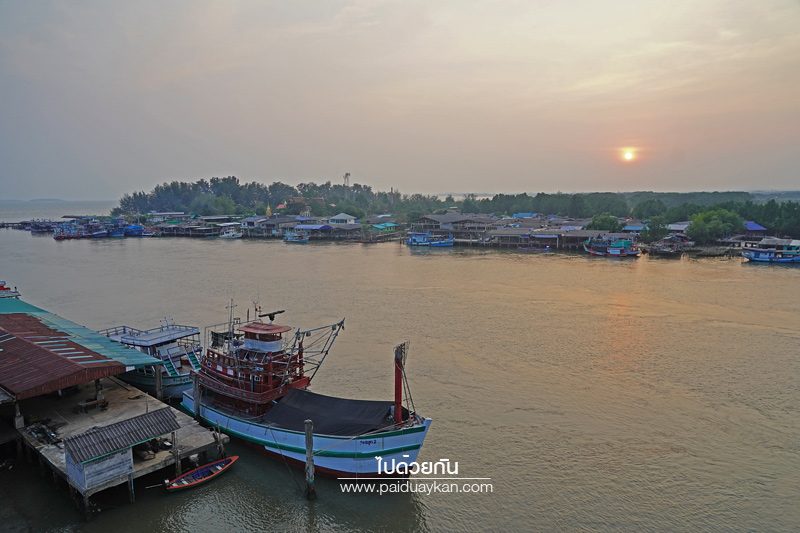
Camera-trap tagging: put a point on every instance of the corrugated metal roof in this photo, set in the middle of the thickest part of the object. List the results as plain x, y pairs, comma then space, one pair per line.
345, 227
41, 352
101, 441
750, 225
79, 334
313, 227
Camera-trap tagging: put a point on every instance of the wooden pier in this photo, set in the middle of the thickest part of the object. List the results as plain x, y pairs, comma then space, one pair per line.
50, 421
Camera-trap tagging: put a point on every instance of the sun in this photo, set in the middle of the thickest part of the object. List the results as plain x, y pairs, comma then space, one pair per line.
628, 154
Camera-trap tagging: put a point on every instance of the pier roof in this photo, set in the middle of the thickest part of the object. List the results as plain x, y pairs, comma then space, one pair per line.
43, 352
101, 441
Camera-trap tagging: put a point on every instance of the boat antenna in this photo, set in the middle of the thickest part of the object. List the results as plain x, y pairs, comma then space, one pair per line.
230, 307
271, 315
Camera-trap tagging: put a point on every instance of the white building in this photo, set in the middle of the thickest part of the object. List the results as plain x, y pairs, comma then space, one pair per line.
342, 218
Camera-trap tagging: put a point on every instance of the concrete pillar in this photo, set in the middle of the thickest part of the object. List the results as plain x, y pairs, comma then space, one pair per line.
176, 454
87, 505
98, 390
19, 420
196, 396
159, 382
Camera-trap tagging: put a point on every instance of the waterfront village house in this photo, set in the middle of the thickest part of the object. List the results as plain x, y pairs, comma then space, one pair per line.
754, 230
380, 219
384, 227
253, 222
342, 218
454, 222
217, 219
267, 226
103, 456
634, 227
678, 227
156, 217
346, 231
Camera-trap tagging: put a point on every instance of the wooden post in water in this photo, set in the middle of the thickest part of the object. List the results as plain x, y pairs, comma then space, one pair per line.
131, 493
311, 491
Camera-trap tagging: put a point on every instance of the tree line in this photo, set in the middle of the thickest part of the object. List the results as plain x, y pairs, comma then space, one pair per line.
713, 214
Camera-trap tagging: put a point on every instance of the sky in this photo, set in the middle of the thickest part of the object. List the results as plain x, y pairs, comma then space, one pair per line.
99, 98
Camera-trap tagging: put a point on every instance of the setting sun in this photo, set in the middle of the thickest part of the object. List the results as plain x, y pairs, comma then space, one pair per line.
628, 154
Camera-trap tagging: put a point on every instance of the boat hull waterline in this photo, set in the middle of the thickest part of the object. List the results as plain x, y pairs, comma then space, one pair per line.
333, 455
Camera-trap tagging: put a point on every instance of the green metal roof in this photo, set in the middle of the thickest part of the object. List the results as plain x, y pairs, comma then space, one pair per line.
80, 334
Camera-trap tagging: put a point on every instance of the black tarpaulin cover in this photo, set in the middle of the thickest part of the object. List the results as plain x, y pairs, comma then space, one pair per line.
331, 416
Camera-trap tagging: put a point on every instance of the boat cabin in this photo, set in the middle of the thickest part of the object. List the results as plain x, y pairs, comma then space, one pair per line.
261, 337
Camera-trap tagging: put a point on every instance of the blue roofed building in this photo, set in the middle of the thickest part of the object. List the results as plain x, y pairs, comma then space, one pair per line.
754, 229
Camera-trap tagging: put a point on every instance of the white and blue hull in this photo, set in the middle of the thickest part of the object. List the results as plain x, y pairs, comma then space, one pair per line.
338, 455
771, 257
172, 387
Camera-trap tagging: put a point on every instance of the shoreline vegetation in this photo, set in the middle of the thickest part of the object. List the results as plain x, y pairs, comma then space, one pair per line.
712, 215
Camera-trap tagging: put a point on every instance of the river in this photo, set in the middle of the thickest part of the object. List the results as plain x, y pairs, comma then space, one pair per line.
596, 394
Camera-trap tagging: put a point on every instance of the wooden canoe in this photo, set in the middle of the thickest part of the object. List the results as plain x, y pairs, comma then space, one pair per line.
201, 474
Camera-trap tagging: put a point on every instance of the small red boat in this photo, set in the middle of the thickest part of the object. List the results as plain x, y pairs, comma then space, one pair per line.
201, 474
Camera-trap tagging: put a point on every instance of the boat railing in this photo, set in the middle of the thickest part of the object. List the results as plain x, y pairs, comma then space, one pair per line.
118, 331
129, 335
234, 392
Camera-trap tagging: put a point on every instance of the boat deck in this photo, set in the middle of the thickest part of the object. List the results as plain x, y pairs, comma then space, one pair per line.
150, 337
124, 402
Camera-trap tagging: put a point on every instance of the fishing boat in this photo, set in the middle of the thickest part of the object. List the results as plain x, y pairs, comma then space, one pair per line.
253, 385
605, 247
772, 250
200, 475
177, 346
295, 237
425, 238
8, 292
231, 233
133, 230
116, 232
69, 230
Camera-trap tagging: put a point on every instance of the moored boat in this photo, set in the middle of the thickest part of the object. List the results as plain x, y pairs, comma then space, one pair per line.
295, 237
201, 474
231, 233
133, 230
773, 250
605, 247
177, 346
426, 238
253, 383
116, 232
8, 292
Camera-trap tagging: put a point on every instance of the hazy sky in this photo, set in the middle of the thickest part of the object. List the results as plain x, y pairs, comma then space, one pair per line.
100, 98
